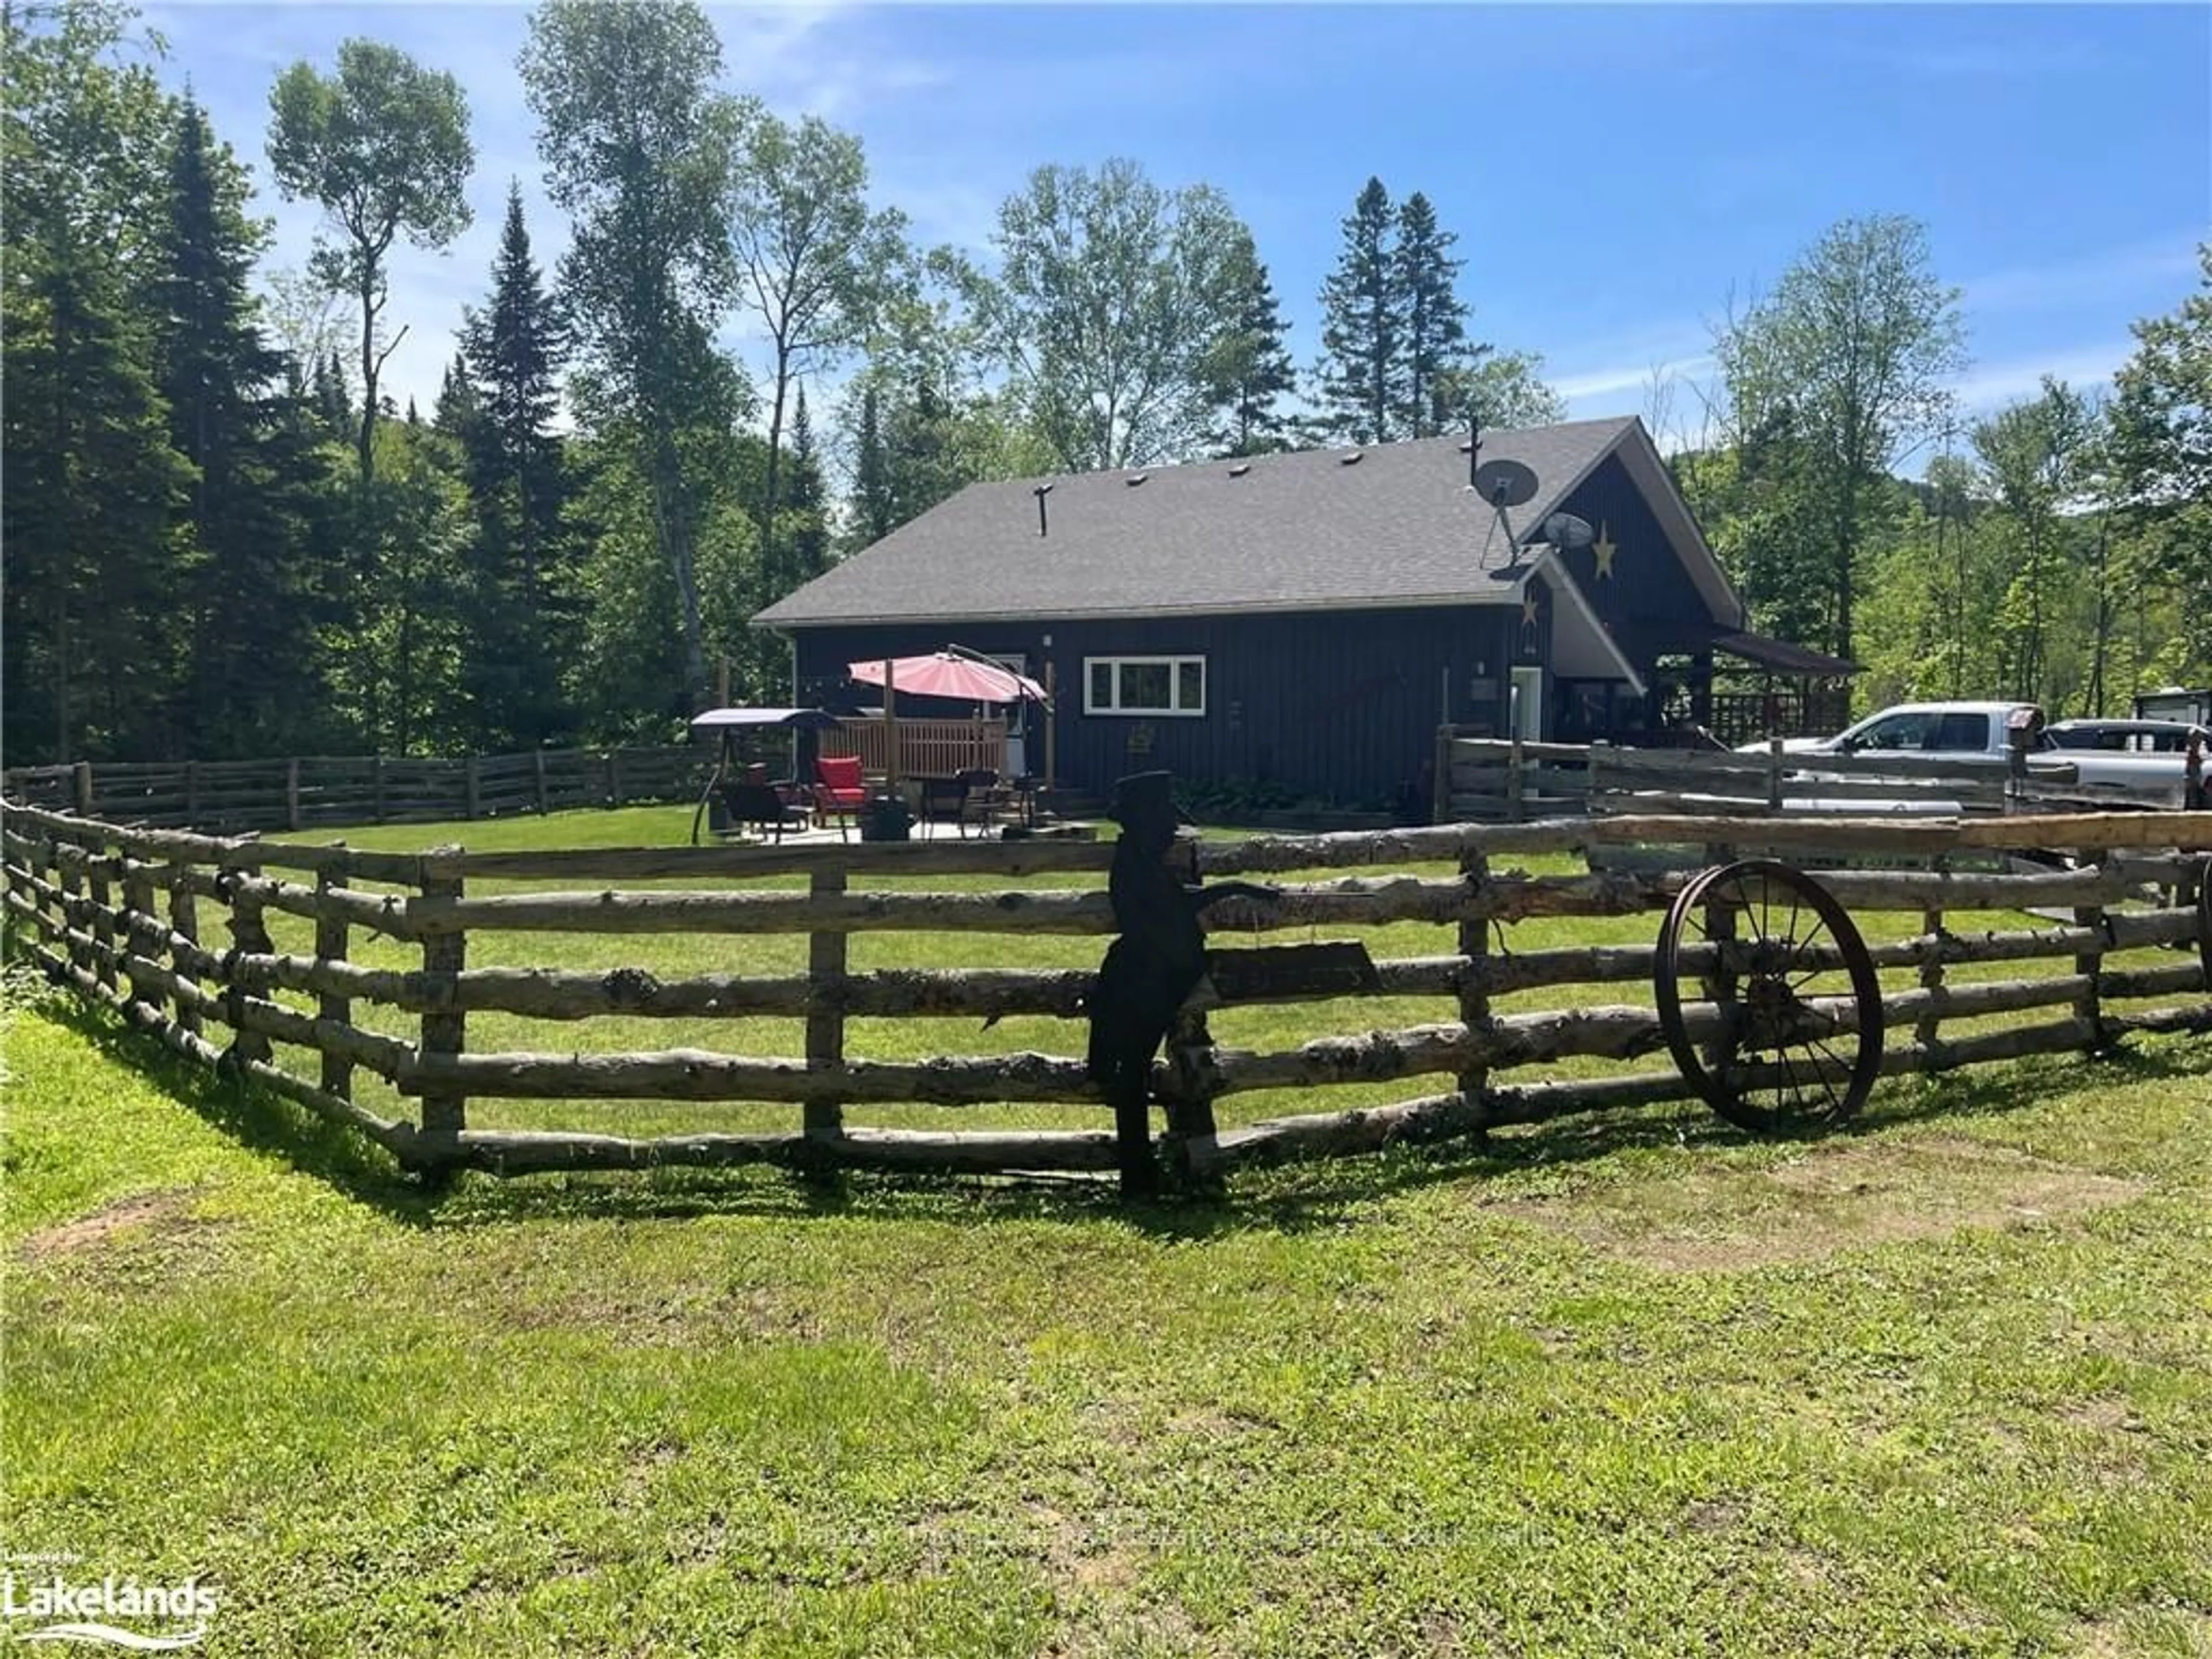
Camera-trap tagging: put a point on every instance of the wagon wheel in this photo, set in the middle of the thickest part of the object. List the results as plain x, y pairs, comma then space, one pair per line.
1796, 1036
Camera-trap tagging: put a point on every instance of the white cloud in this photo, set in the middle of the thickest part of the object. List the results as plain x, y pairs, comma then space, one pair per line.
2121, 272
1610, 382
1990, 385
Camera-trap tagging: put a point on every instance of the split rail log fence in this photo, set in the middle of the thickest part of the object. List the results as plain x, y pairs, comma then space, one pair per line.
126, 916
311, 792
1491, 779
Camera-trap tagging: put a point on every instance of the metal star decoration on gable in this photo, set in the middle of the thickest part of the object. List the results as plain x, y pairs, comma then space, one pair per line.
1528, 608
1604, 548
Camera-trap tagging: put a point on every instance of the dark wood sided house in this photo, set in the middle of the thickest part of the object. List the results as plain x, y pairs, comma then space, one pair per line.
1308, 619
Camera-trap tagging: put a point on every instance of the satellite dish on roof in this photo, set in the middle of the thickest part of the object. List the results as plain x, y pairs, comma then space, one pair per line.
1567, 531
1506, 484
1503, 484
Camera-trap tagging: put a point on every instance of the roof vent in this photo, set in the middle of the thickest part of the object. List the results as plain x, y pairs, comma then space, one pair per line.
1135, 479
1351, 459
1240, 469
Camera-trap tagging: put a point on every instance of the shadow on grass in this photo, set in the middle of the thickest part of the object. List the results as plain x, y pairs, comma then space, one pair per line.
1290, 1197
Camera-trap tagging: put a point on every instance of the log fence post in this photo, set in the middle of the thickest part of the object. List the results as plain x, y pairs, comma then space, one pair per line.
1927, 1030
39, 862
445, 1033
102, 928
1193, 1080
2089, 1006
81, 788
614, 777
249, 936
826, 956
330, 941
142, 930
1516, 784
537, 775
1774, 774
70, 878
192, 793
376, 786
292, 793
1474, 985
184, 923
473, 779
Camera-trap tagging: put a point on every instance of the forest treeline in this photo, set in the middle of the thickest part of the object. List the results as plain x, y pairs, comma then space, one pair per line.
222, 538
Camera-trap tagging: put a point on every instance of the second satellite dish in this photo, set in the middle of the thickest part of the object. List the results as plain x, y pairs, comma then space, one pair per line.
1564, 530
1506, 484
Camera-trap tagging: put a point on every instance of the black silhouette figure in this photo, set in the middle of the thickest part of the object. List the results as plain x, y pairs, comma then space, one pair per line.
1150, 968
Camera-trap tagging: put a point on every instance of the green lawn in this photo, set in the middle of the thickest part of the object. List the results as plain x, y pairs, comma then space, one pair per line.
1940, 1385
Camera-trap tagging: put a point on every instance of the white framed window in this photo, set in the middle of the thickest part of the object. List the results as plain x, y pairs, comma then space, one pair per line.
1144, 686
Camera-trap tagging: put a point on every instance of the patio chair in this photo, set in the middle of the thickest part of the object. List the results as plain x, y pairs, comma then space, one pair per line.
839, 793
980, 798
761, 808
943, 800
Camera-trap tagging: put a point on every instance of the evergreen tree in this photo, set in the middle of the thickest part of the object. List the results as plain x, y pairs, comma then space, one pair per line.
805, 527
1361, 372
873, 514
93, 610
511, 357
1249, 366
333, 402
252, 688
1431, 316
456, 414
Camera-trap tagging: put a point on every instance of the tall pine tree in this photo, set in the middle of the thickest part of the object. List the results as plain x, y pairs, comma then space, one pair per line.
803, 527
96, 564
253, 685
514, 349
873, 518
1249, 365
1361, 375
1432, 338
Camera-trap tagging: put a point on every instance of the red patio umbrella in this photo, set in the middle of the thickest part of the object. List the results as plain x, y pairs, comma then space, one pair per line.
949, 674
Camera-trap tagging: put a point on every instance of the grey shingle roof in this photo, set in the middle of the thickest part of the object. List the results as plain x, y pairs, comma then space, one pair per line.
1290, 531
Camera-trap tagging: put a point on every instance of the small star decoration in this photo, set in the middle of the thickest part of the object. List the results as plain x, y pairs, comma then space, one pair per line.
1528, 608
1604, 548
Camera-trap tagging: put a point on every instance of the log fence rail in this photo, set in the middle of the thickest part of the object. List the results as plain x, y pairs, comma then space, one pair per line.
313, 792
123, 914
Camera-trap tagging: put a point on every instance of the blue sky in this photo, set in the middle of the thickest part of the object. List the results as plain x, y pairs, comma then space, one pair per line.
1614, 174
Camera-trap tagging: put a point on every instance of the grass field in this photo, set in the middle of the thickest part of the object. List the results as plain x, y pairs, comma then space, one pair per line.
1939, 1385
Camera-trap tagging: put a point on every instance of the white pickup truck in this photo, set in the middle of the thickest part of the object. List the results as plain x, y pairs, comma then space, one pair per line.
1978, 735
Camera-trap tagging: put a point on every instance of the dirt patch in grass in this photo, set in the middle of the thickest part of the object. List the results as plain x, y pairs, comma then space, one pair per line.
1834, 1199
163, 1215
682, 1316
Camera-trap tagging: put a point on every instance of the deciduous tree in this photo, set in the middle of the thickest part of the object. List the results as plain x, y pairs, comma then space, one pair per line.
1850, 358
383, 145
639, 148
1110, 294
810, 253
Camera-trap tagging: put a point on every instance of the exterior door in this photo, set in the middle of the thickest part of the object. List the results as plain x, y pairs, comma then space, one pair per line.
1528, 704
1018, 718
